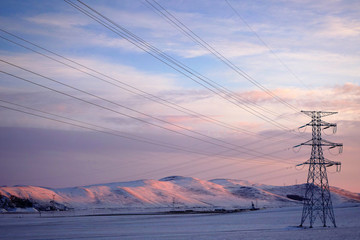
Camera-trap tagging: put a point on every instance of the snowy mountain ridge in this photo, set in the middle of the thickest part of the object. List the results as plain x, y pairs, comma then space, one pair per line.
169, 192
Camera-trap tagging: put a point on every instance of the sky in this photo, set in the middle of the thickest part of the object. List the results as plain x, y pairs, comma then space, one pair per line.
147, 89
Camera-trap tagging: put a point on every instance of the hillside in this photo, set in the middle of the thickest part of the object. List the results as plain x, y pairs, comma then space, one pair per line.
170, 192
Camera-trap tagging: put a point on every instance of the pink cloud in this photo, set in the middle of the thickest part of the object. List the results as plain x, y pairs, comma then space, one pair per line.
343, 98
348, 88
182, 119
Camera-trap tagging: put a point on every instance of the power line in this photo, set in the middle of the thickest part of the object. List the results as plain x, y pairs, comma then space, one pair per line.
95, 127
97, 105
247, 151
187, 31
117, 104
277, 161
141, 93
177, 26
220, 87
281, 176
255, 142
109, 131
117, 134
200, 161
104, 130
267, 46
267, 172
96, 130
150, 96
176, 65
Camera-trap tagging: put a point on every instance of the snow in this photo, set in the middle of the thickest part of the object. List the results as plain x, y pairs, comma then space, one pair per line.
23, 210
136, 210
276, 223
172, 192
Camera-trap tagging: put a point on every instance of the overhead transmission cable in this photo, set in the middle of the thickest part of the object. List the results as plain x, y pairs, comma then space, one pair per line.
148, 96
272, 51
267, 172
3, 72
267, 46
167, 57
282, 176
278, 161
109, 109
95, 128
176, 65
211, 155
177, 26
133, 90
254, 142
201, 160
188, 32
235, 147
104, 130
229, 92
162, 55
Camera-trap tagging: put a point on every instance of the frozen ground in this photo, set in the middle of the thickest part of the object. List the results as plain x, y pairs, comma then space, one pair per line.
279, 223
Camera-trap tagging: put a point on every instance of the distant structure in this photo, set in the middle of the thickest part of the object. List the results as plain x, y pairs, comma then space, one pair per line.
317, 199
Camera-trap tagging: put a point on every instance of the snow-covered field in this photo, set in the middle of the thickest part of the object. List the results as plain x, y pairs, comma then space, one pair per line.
139, 210
277, 223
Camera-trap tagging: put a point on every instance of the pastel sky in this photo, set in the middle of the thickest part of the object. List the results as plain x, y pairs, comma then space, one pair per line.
80, 104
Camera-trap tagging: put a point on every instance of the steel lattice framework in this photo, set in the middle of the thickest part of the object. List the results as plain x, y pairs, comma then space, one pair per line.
317, 199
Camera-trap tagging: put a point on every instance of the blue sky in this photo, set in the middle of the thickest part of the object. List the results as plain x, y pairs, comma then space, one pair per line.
310, 59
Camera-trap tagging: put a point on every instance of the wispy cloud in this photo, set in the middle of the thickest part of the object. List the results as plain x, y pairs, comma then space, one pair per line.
58, 20
318, 41
339, 28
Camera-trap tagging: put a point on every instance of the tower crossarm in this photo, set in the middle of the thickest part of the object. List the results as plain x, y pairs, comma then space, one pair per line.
320, 142
309, 143
332, 163
319, 123
325, 114
326, 124
324, 142
321, 113
326, 162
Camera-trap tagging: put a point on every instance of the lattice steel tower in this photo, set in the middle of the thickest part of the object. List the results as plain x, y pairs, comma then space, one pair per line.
317, 199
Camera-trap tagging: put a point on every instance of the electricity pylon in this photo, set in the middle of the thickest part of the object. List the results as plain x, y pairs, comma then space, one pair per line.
317, 199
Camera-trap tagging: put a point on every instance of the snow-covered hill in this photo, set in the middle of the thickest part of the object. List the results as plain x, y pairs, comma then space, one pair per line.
170, 192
